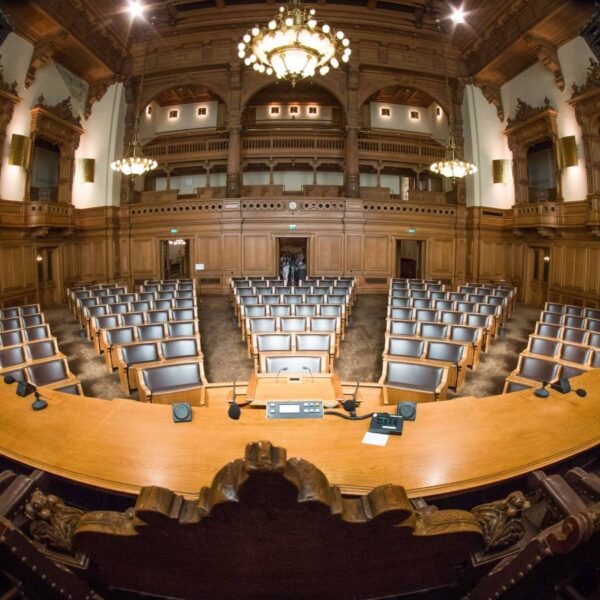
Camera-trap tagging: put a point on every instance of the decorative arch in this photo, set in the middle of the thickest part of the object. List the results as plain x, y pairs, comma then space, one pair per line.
212, 82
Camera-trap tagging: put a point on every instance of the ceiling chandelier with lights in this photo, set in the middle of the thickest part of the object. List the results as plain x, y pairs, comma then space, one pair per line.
134, 162
294, 45
453, 165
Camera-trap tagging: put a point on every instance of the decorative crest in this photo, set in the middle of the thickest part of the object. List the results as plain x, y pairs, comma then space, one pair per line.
63, 109
526, 111
11, 88
593, 78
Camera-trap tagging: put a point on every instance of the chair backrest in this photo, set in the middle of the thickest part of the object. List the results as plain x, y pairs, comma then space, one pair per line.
8, 324
538, 369
452, 317
594, 340
577, 336
461, 333
307, 342
271, 342
568, 371
183, 314
465, 306
140, 306
330, 310
405, 314
138, 353
180, 348
419, 293
257, 310
426, 315
446, 351
14, 355
593, 325
406, 347
595, 364
425, 376
403, 327
329, 324
401, 302
119, 308
157, 316
183, 303
434, 330
42, 349
120, 335
554, 307
182, 328
555, 318
169, 376
280, 310
12, 338
146, 297
422, 303
543, 346
162, 304
547, 330
576, 311
9, 313
307, 310
152, 331
516, 387
294, 364
294, 324
271, 299
443, 305
592, 313
38, 332
106, 322
92, 311
47, 372
574, 321
575, 354
257, 324
292, 299
166, 295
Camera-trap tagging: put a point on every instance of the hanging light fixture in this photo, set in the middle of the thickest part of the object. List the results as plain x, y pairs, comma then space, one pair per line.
453, 165
294, 45
134, 162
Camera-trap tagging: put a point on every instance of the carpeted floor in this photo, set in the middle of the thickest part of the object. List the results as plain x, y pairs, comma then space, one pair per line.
360, 357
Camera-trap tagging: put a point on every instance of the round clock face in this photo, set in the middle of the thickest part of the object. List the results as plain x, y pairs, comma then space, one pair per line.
292, 205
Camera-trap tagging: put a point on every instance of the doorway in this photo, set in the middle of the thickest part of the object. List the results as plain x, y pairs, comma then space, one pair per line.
538, 275
175, 259
292, 259
48, 276
410, 258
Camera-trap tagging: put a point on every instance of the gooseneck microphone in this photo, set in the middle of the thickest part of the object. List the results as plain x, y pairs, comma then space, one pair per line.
282, 370
305, 368
234, 411
350, 404
24, 389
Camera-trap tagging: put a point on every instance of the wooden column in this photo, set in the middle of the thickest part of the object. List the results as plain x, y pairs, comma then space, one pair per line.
234, 176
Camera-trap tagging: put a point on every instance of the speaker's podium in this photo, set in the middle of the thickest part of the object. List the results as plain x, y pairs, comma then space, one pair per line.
269, 387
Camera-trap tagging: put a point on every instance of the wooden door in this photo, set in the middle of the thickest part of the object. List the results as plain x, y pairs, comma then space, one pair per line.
48, 276
537, 276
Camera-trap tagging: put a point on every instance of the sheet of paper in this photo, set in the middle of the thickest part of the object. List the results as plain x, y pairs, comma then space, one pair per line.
375, 439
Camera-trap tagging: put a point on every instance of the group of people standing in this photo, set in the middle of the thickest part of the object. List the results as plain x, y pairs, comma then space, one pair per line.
293, 268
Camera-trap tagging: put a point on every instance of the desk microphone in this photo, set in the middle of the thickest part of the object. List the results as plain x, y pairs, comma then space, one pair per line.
305, 368
234, 411
542, 392
350, 404
563, 385
25, 388
279, 373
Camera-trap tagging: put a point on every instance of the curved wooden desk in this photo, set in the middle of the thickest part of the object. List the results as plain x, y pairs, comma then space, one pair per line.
453, 446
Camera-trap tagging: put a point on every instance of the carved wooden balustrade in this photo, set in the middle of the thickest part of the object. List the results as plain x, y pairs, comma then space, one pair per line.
49, 214
538, 215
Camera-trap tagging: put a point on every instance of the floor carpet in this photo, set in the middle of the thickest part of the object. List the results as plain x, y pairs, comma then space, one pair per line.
360, 357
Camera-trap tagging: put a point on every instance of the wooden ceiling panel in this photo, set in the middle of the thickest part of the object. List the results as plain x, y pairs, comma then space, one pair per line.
186, 94
402, 95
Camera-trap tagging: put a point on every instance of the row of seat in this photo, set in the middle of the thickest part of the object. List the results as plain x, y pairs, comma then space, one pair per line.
570, 309
567, 320
30, 320
19, 311
18, 355
568, 334
24, 335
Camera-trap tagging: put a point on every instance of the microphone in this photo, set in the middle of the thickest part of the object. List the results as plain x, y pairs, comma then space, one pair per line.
563, 385
542, 392
350, 404
9, 379
234, 411
305, 368
279, 373
25, 389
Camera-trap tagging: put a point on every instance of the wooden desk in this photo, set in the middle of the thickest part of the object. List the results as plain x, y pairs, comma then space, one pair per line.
453, 446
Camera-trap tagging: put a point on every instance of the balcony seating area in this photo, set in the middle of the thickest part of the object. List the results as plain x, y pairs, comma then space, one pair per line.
433, 335
540, 539
565, 343
29, 352
138, 333
308, 318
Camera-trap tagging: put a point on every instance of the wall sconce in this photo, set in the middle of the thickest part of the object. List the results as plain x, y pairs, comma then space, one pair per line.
87, 170
501, 171
567, 152
20, 147
39, 258
546, 259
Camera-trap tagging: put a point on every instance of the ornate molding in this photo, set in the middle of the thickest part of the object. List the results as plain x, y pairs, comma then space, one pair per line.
10, 88
96, 93
63, 110
592, 81
526, 111
547, 54
42, 52
491, 93
502, 522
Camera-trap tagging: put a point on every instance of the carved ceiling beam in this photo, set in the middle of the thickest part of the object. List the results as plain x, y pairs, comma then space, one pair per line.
547, 55
42, 52
491, 93
96, 93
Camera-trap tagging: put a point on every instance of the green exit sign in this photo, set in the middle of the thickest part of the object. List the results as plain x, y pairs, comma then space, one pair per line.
292, 227
173, 230
412, 230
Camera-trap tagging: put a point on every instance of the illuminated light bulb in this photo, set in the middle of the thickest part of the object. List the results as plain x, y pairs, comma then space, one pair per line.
458, 15
312, 11
334, 62
345, 58
247, 62
347, 52
340, 35
312, 23
241, 46
281, 9
346, 42
135, 9
289, 21
326, 28
272, 24
247, 38
269, 71
241, 54
255, 31
252, 58
324, 70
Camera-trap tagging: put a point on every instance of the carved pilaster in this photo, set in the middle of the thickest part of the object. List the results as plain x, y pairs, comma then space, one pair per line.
547, 55
42, 52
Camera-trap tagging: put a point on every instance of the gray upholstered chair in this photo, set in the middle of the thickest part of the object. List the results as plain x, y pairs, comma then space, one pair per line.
413, 381
169, 383
294, 363
130, 355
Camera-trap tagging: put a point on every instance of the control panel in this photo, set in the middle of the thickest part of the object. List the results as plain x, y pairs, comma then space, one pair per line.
386, 423
295, 409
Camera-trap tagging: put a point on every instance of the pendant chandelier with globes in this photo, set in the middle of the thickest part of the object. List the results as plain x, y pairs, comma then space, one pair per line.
453, 165
294, 45
134, 162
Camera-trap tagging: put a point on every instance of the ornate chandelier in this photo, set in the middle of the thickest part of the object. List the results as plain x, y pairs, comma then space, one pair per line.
294, 46
453, 165
134, 162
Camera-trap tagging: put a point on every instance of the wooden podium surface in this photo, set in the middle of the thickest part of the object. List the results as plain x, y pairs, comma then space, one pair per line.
453, 446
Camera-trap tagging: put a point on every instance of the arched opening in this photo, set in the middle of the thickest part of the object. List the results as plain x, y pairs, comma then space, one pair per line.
293, 141
45, 169
542, 171
403, 130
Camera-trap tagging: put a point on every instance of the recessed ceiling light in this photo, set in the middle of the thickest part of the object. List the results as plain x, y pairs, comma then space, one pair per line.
135, 9
458, 15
